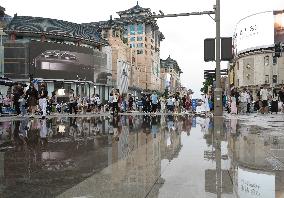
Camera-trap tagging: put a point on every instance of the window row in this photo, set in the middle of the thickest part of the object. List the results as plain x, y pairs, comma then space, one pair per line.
139, 45
139, 38
136, 29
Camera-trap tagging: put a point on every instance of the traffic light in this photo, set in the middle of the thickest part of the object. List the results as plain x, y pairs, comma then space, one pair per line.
278, 50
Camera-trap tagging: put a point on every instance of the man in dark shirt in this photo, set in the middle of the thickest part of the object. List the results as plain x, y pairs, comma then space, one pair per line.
43, 93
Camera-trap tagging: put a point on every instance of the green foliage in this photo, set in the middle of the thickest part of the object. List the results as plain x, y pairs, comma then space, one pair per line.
208, 82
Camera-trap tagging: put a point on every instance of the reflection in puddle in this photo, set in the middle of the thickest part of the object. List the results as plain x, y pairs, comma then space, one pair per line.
139, 155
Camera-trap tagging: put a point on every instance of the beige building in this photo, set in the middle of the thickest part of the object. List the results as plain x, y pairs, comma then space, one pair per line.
170, 75
257, 68
144, 41
135, 42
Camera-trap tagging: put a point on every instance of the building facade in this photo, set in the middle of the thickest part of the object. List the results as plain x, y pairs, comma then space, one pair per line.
62, 54
256, 62
170, 75
144, 39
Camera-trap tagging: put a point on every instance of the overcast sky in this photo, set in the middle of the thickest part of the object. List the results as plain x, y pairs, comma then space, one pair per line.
184, 36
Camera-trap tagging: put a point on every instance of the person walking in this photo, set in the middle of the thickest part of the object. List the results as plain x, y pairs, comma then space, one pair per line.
130, 102
72, 102
233, 104
243, 102
1, 103
17, 93
22, 102
264, 99
32, 97
43, 93
115, 100
154, 101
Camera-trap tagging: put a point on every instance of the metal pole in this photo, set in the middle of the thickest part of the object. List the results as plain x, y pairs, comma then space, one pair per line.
218, 111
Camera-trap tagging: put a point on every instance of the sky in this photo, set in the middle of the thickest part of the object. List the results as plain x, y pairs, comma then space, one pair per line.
184, 36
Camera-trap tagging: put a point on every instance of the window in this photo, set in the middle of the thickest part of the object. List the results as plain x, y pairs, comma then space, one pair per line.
140, 29
139, 44
274, 79
132, 45
266, 79
146, 52
238, 66
132, 38
139, 51
139, 38
274, 60
132, 29
145, 38
238, 82
266, 60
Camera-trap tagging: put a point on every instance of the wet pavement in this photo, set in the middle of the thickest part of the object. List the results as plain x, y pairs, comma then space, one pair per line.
140, 156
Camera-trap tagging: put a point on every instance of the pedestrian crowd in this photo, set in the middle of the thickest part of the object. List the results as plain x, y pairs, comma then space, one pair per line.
266, 100
35, 100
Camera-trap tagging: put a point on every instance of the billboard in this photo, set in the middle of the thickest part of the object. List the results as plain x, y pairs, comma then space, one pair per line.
260, 30
60, 61
50, 60
279, 26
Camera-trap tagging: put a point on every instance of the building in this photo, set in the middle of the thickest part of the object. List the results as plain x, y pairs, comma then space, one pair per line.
255, 62
62, 54
144, 40
113, 31
170, 75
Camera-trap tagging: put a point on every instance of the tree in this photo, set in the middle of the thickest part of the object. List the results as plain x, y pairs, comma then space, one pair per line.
208, 82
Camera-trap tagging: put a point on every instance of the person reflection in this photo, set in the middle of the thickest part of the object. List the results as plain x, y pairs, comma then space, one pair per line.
34, 134
73, 128
170, 123
146, 124
20, 135
130, 122
43, 133
154, 126
116, 129
186, 125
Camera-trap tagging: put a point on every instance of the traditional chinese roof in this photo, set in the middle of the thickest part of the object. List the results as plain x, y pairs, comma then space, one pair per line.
37, 26
170, 63
115, 24
137, 9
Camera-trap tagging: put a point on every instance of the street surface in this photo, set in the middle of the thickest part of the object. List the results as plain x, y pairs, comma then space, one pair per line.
142, 156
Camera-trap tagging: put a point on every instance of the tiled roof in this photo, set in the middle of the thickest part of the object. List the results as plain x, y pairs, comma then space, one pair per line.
134, 10
54, 28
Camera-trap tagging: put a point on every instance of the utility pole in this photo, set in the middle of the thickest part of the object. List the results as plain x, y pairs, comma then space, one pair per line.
218, 110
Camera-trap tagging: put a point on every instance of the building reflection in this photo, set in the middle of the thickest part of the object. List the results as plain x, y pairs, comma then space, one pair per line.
257, 167
39, 155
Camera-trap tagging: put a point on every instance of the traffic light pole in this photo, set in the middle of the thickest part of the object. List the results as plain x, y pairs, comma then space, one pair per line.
218, 108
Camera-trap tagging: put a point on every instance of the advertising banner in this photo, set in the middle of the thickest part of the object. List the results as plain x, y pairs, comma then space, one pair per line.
257, 31
194, 104
278, 26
